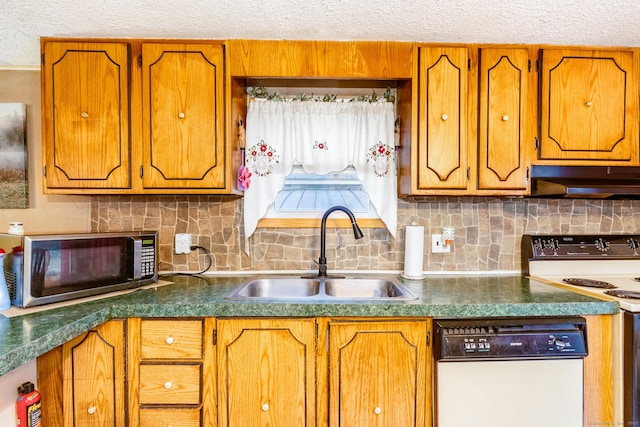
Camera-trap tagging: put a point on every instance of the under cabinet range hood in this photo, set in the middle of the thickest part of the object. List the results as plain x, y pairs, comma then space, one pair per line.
585, 181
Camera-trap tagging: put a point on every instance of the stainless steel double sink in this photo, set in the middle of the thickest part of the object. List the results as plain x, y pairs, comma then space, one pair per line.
322, 289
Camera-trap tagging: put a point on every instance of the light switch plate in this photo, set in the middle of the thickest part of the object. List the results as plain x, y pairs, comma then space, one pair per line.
183, 243
437, 247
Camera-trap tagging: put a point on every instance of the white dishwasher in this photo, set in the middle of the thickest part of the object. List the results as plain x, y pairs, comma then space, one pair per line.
505, 372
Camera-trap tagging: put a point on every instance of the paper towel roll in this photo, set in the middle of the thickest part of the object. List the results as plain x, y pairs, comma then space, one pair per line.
413, 252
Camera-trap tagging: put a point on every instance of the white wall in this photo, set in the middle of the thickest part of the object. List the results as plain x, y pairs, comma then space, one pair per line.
587, 22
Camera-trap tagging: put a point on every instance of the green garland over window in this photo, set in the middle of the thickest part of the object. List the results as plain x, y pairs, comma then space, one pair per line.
261, 92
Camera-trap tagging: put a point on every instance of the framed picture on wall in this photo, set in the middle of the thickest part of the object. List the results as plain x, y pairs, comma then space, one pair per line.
14, 189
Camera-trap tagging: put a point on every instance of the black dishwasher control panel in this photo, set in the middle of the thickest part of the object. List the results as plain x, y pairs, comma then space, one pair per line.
510, 338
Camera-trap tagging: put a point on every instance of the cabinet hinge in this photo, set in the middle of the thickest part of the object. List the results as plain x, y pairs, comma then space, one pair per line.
468, 173
428, 339
42, 58
44, 171
468, 64
529, 64
215, 337
537, 65
140, 60
141, 171
536, 143
327, 341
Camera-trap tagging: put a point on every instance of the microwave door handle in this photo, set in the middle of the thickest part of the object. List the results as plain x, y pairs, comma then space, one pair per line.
137, 258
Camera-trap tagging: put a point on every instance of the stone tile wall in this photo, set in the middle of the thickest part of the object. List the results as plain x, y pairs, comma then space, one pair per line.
487, 237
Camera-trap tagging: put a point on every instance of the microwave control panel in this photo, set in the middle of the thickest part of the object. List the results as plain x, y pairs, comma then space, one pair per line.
148, 257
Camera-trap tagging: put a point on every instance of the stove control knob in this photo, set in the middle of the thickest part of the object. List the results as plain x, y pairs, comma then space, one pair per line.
551, 244
538, 245
633, 244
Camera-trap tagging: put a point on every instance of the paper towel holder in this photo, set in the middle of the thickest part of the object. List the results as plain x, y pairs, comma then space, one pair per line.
413, 255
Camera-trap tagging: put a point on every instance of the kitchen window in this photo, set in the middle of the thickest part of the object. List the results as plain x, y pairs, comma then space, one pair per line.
306, 155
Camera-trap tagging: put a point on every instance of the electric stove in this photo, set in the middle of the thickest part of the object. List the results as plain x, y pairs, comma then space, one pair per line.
605, 267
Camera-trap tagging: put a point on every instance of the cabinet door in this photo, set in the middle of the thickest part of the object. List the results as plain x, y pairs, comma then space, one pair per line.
183, 116
266, 372
507, 119
85, 115
442, 157
94, 377
378, 374
589, 106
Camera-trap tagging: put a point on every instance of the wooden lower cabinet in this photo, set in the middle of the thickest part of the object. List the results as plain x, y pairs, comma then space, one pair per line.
172, 372
83, 381
178, 417
379, 372
266, 371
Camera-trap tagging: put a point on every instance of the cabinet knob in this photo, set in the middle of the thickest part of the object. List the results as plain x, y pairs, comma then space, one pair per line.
84, 115
445, 117
167, 385
181, 115
265, 407
505, 118
588, 104
92, 410
377, 410
169, 340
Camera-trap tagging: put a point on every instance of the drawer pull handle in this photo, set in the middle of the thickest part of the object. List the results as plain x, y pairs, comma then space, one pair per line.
588, 103
92, 410
167, 385
265, 407
505, 118
84, 115
169, 340
445, 117
181, 115
377, 410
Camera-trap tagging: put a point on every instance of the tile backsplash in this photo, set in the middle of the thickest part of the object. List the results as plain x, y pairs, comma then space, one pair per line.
487, 231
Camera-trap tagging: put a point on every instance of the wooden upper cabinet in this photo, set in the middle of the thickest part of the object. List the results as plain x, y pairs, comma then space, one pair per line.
589, 106
321, 59
442, 151
135, 117
183, 116
85, 115
507, 125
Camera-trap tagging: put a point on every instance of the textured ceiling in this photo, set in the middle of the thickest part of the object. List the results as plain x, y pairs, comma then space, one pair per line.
584, 22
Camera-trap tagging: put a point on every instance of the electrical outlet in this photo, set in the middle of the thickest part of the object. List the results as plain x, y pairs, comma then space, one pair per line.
183, 243
437, 247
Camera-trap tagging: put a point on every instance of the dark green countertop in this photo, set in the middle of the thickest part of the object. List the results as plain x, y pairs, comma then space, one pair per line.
23, 338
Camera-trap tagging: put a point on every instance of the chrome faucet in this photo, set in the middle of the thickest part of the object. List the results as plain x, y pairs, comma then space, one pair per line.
322, 261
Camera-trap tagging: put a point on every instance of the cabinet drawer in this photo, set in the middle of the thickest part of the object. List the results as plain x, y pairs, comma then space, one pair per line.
169, 418
170, 384
171, 339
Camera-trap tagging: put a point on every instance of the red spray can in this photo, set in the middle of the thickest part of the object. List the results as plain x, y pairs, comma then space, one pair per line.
28, 409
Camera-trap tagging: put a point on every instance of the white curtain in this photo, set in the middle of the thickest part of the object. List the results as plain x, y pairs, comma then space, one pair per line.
323, 137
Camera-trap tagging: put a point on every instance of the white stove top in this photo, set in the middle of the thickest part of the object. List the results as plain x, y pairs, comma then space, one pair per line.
620, 273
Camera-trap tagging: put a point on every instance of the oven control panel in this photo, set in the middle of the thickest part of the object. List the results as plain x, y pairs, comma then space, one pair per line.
580, 247
509, 338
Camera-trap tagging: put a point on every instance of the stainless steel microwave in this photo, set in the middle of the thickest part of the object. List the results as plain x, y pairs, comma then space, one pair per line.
46, 268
